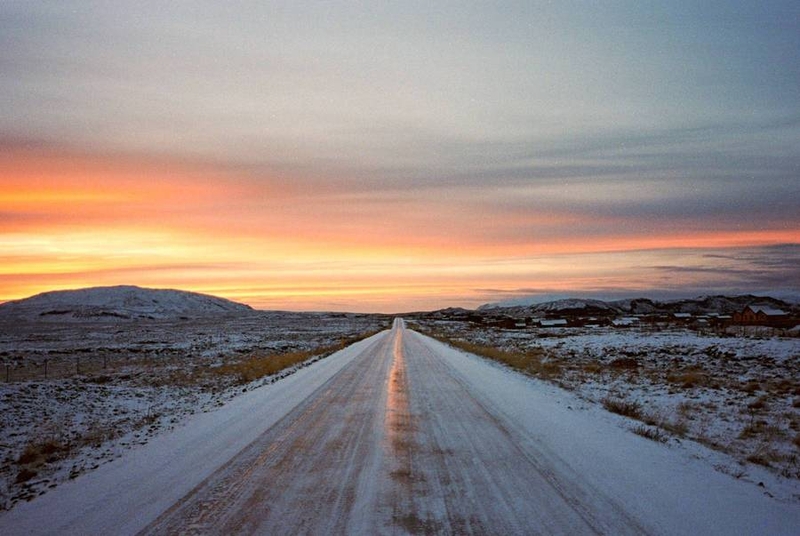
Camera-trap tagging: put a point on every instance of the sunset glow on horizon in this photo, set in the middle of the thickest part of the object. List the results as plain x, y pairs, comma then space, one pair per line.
394, 158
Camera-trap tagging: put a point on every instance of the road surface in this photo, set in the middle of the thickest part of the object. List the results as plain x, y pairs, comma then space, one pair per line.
403, 435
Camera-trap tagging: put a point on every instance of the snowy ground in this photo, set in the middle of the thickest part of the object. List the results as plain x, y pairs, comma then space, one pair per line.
400, 434
737, 394
113, 385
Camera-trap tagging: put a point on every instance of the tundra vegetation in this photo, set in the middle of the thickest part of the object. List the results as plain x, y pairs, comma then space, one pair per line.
78, 395
732, 392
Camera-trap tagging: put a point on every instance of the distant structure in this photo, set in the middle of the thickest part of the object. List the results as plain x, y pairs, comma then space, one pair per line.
553, 323
761, 315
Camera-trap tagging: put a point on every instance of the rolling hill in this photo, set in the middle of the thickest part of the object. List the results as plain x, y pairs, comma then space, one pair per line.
118, 302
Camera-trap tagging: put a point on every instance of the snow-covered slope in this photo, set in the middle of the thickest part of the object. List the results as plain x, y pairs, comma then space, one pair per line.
566, 306
573, 304
702, 304
122, 302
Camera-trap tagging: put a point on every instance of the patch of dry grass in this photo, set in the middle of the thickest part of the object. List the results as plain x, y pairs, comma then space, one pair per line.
259, 366
654, 434
758, 404
624, 363
592, 367
533, 361
764, 455
619, 406
751, 387
678, 427
243, 369
41, 451
690, 377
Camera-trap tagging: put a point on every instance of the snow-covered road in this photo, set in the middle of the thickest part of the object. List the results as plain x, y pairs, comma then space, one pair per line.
401, 434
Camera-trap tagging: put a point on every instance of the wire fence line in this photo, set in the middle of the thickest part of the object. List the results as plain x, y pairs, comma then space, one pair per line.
97, 365
61, 367
52, 368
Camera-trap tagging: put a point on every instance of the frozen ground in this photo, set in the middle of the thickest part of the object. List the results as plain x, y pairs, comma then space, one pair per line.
114, 384
737, 394
400, 434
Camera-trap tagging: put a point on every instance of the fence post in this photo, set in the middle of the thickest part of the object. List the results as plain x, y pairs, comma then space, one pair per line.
45, 369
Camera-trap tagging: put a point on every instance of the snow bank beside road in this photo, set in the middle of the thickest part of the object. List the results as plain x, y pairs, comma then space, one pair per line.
675, 490
124, 495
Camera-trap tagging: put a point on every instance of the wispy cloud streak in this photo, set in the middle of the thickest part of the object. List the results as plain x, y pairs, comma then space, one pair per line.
434, 148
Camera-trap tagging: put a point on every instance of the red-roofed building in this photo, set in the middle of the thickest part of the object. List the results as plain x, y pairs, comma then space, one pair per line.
762, 315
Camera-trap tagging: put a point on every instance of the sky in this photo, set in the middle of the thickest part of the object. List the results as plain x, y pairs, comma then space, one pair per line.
397, 156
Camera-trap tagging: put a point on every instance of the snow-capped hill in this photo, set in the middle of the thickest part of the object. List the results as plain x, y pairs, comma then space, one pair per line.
638, 306
122, 302
573, 304
568, 306
535, 303
525, 301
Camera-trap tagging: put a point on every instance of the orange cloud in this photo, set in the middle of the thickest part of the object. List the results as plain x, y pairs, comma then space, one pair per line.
70, 220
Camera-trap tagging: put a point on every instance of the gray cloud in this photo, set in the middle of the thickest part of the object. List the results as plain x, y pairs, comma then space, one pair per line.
757, 269
555, 120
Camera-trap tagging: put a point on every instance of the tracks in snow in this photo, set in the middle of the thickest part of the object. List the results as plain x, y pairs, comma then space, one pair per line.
400, 434
393, 443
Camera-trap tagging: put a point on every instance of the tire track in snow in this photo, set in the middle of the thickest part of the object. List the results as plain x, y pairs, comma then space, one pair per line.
481, 475
394, 443
309, 474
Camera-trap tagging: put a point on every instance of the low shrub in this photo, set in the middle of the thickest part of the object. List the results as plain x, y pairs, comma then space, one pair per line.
758, 404
623, 407
624, 363
43, 450
593, 368
689, 378
679, 427
751, 430
751, 387
764, 456
25, 474
654, 434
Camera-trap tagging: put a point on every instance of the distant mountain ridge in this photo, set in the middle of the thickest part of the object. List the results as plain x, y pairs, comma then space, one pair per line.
118, 302
704, 304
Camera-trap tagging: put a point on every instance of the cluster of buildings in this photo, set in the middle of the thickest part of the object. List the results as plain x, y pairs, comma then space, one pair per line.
750, 315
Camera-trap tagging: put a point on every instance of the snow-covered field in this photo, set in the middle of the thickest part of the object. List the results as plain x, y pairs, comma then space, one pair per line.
400, 434
737, 394
107, 373
114, 383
